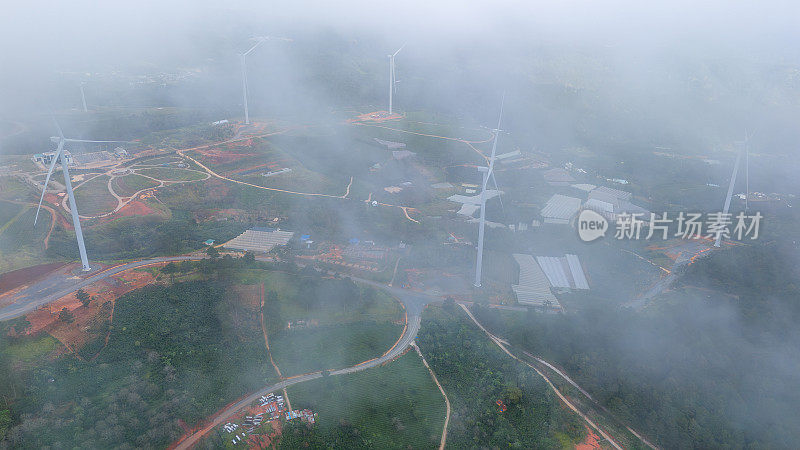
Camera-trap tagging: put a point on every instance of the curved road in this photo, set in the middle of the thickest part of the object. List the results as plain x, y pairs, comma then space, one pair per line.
409, 333
48, 290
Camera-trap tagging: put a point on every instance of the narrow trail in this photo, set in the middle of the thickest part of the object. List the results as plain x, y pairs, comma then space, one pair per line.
441, 389
269, 351
347, 192
403, 342
124, 201
561, 396
469, 143
394, 274
566, 378
285, 191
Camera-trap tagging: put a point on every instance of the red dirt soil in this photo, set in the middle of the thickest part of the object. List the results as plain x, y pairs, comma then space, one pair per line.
221, 157
592, 441
377, 116
75, 334
19, 277
135, 208
56, 202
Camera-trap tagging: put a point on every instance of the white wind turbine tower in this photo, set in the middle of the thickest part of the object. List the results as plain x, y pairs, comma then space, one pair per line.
487, 172
243, 56
73, 207
83, 99
392, 77
727, 205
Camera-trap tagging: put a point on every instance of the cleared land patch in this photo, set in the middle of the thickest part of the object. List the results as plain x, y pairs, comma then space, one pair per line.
171, 174
393, 406
127, 185
93, 197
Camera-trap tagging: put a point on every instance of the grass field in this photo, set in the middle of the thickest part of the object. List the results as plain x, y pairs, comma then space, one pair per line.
21, 244
93, 197
247, 161
344, 323
160, 160
395, 406
7, 212
130, 184
171, 174
383, 308
304, 350
31, 350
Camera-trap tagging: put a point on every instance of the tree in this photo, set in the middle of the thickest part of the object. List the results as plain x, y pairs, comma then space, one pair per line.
249, 258
170, 269
212, 252
5, 423
84, 297
185, 267
66, 315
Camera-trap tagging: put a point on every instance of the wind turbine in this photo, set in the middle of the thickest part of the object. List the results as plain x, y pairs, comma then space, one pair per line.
727, 205
392, 77
83, 99
487, 172
73, 207
243, 57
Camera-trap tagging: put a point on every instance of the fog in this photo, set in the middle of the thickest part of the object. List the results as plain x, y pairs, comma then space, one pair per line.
617, 80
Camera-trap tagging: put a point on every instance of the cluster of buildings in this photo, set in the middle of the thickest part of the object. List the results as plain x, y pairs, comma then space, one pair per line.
274, 404
230, 428
608, 202
357, 254
84, 160
304, 414
259, 240
541, 276
271, 406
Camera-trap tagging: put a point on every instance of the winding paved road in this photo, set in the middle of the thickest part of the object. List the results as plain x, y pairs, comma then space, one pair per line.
413, 303
400, 346
54, 287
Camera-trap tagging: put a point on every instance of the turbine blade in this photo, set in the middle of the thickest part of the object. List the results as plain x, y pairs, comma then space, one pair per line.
60, 132
88, 140
47, 179
499, 197
496, 136
398, 50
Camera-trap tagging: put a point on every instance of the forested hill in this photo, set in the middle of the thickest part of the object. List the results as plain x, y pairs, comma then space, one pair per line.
713, 363
763, 283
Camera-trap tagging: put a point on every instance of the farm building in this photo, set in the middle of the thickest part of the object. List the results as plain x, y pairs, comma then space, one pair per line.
612, 202
611, 192
402, 154
558, 177
583, 187
259, 240
563, 272
47, 158
533, 288
391, 145
560, 209
471, 204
